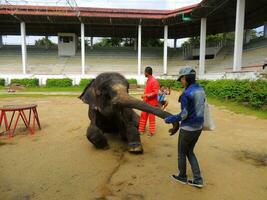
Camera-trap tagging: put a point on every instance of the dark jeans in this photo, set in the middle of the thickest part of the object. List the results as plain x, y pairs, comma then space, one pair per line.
186, 143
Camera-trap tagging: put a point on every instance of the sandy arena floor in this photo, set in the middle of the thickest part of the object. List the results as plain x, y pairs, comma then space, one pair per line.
59, 163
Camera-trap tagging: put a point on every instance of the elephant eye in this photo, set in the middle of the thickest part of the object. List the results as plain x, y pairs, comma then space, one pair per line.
98, 93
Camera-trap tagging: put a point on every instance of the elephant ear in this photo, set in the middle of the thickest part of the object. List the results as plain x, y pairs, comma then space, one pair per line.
88, 96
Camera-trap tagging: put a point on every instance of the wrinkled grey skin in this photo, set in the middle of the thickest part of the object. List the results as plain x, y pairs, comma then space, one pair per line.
111, 111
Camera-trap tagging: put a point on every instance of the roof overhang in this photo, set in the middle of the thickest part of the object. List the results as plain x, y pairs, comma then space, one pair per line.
99, 22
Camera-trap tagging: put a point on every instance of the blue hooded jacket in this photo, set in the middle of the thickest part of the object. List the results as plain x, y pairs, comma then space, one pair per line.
192, 107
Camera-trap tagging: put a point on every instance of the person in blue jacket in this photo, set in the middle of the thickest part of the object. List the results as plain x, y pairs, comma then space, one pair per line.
191, 120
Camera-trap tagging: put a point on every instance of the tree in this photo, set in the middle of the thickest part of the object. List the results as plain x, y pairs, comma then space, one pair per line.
213, 40
152, 42
109, 42
146, 42
254, 34
86, 42
44, 42
128, 42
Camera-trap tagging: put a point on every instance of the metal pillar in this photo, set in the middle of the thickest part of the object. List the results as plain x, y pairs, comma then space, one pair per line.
1, 41
139, 49
265, 30
46, 43
239, 34
175, 41
165, 50
23, 46
202, 50
82, 49
92, 42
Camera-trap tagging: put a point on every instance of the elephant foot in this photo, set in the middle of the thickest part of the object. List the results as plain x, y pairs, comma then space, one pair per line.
97, 138
136, 149
101, 145
107, 147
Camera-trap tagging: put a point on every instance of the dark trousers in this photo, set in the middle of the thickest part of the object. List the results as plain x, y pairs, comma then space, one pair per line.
186, 143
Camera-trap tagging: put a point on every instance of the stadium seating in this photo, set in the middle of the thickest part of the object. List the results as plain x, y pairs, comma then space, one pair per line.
124, 60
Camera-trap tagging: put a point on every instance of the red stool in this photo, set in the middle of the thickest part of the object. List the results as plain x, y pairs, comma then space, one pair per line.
20, 110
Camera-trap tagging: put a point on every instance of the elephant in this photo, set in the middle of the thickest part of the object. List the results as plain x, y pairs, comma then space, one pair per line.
111, 111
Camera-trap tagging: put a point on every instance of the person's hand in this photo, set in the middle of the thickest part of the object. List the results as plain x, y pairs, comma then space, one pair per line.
175, 128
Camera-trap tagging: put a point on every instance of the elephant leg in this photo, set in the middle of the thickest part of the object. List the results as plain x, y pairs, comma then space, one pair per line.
96, 137
133, 137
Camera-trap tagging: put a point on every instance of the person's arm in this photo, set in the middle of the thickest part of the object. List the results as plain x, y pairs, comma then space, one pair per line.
143, 96
182, 115
160, 96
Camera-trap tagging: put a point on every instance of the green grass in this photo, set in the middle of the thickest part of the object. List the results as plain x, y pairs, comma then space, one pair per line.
238, 108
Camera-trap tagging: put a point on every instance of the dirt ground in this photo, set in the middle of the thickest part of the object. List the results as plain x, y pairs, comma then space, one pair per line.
59, 163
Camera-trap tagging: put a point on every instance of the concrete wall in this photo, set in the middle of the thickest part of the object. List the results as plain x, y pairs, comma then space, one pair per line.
67, 49
76, 78
209, 51
140, 79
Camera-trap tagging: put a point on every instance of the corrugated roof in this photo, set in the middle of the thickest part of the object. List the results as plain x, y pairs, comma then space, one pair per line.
106, 22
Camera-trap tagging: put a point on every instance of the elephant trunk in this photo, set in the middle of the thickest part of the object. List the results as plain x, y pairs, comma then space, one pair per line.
126, 100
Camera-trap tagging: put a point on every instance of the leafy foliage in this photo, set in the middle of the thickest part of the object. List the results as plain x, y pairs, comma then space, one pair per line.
170, 83
44, 42
132, 81
127, 42
58, 82
109, 42
212, 40
253, 93
27, 82
84, 82
2, 82
151, 42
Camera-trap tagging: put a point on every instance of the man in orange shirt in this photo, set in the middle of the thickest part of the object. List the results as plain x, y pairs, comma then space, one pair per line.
150, 96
